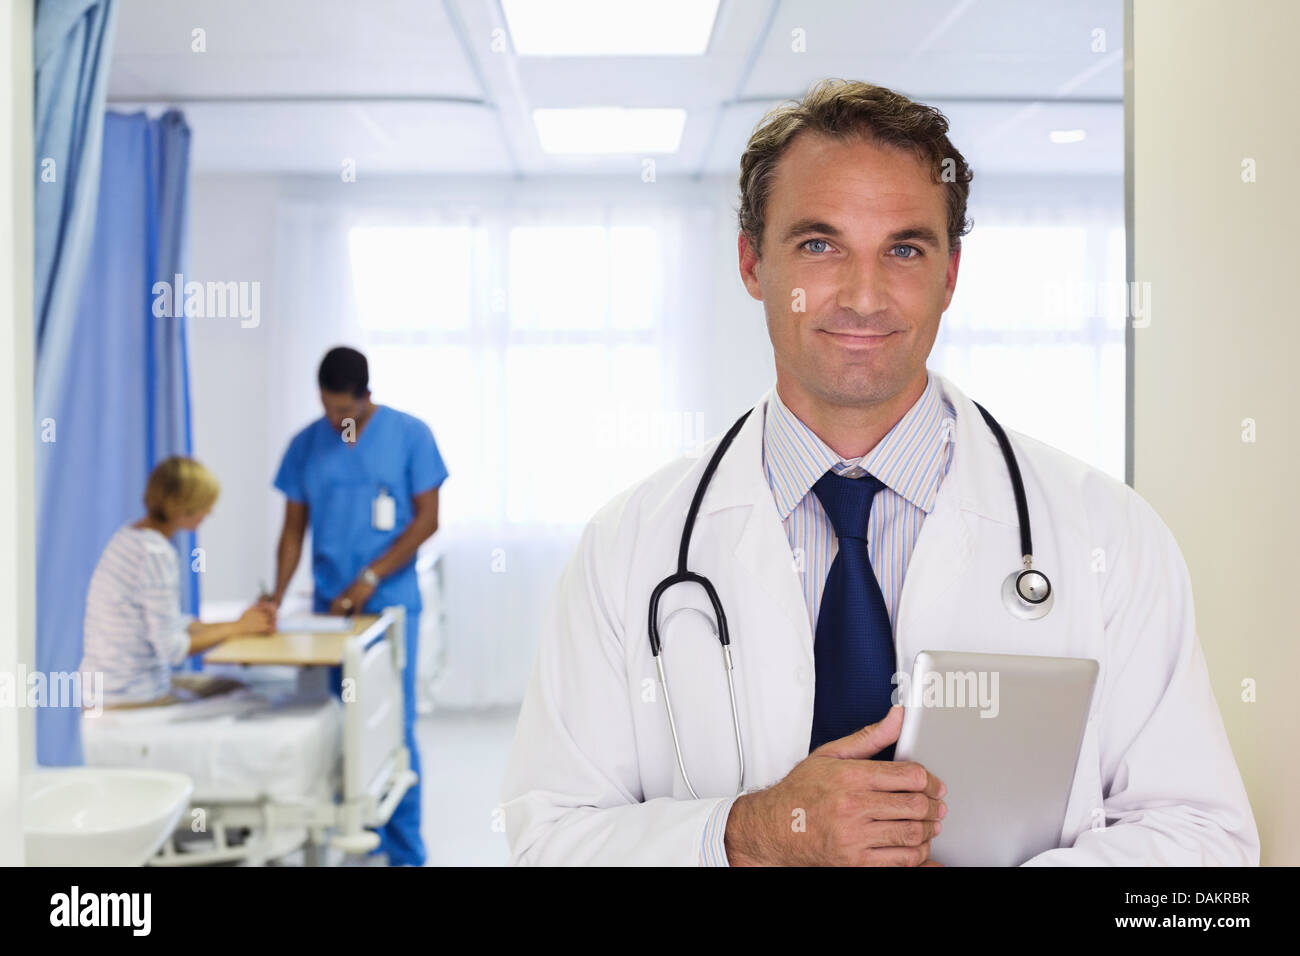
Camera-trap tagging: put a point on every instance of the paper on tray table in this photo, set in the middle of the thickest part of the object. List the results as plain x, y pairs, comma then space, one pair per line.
306, 623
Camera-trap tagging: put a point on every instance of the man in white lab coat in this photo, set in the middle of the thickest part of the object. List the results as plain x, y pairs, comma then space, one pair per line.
852, 209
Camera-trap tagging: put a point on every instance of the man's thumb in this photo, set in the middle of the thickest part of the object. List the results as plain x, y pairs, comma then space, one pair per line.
868, 741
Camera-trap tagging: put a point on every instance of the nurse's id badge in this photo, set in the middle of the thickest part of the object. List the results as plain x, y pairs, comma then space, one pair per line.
383, 511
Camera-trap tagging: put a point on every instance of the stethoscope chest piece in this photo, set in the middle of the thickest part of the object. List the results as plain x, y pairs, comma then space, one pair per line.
1027, 594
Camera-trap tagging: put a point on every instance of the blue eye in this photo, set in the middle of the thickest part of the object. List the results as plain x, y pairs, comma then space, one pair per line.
913, 248
805, 244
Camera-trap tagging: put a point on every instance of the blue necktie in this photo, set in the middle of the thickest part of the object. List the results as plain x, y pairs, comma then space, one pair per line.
854, 644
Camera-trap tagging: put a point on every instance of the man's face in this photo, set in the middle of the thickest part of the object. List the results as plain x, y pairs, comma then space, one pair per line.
343, 405
862, 231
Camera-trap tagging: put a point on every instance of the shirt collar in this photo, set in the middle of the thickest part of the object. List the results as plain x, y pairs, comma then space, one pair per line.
909, 460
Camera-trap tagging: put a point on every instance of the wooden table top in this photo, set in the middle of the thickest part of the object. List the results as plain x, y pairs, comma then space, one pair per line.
297, 649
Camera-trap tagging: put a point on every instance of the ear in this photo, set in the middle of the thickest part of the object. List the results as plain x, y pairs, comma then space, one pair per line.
954, 263
748, 262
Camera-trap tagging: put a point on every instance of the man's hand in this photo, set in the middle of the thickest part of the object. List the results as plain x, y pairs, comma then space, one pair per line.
854, 811
353, 599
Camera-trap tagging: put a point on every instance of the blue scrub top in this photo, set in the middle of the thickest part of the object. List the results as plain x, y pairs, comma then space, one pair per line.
339, 480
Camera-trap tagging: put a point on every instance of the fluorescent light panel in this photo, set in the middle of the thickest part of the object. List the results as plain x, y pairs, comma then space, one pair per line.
610, 27
610, 130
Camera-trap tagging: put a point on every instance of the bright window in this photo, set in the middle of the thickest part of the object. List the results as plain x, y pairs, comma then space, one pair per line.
554, 380
1035, 333
388, 263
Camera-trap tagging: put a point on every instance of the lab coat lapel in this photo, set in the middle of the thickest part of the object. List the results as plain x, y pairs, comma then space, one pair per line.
947, 544
762, 550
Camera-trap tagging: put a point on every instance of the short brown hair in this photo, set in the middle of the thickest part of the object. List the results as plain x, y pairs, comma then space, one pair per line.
843, 109
179, 486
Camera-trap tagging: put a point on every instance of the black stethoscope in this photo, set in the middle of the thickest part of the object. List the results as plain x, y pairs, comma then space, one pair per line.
1026, 592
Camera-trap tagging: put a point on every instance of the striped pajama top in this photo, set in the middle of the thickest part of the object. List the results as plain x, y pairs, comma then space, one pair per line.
134, 630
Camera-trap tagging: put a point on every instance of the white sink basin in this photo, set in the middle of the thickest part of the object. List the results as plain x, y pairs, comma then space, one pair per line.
93, 816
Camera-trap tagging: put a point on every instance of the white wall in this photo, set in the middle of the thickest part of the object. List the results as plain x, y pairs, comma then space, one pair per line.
1214, 85
17, 521
231, 371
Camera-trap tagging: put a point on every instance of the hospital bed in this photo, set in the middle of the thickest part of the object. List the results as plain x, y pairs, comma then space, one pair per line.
279, 766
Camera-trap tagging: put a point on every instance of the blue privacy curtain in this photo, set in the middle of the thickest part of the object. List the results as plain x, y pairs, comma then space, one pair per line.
122, 399
71, 47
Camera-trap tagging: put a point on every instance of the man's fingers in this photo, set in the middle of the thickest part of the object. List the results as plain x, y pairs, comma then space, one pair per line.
898, 855
899, 832
904, 806
868, 741
906, 775
901, 776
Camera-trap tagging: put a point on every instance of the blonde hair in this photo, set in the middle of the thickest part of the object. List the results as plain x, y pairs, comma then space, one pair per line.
179, 486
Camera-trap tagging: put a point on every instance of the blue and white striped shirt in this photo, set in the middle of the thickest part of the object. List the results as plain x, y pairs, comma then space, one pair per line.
134, 629
911, 460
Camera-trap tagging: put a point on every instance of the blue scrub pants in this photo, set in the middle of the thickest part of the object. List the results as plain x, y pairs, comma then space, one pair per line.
400, 836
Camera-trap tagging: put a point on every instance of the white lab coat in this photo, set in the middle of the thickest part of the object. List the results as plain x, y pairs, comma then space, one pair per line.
592, 778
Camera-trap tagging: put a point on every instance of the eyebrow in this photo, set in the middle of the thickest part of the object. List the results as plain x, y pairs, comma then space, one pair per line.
803, 227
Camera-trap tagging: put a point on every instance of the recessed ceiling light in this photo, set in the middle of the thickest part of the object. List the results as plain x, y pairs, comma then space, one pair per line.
608, 28
1067, 135
610, 130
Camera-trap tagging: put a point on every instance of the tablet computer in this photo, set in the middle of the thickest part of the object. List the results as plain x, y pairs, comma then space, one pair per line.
1003, 731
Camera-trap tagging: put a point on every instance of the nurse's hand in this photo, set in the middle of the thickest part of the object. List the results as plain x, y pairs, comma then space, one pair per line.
353, 599
838, 808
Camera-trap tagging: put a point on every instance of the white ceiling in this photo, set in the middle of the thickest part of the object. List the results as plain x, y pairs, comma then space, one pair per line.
416, 85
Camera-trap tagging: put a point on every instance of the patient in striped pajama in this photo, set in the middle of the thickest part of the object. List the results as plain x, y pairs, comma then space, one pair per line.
134, 630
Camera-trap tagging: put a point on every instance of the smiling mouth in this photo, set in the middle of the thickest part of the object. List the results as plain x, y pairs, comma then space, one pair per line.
859, 339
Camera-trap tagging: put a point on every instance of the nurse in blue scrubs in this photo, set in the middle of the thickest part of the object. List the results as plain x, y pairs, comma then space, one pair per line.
366, 478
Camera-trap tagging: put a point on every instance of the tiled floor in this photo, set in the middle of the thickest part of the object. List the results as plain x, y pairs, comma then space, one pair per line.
464, 757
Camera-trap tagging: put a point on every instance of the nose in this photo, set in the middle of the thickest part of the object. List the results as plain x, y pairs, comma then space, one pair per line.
862, 286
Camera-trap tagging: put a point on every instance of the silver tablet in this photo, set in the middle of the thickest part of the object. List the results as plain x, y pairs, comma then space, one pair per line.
1003, 731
